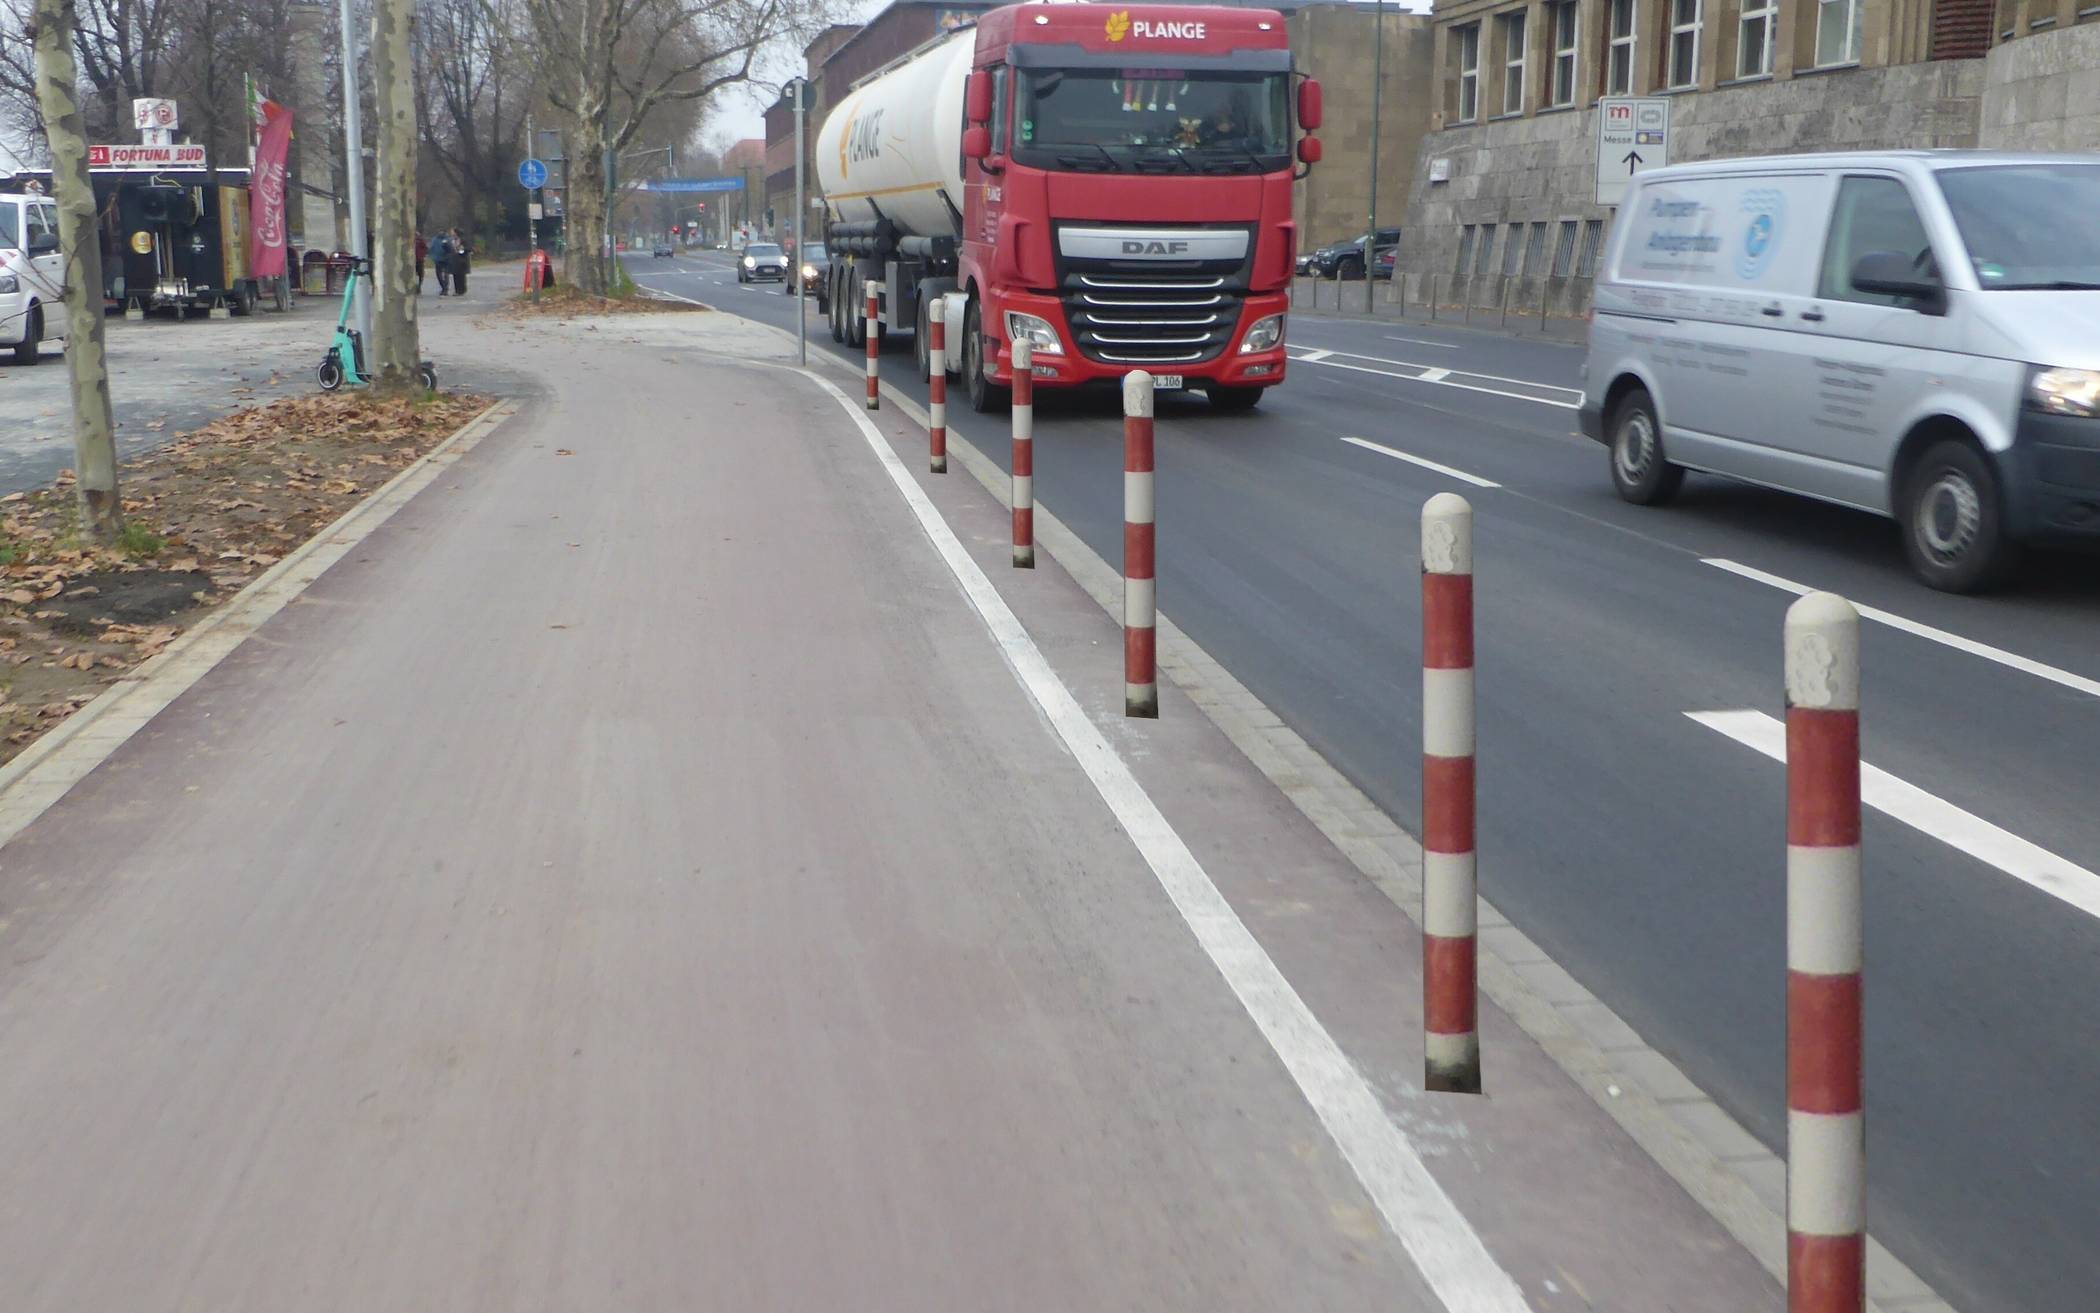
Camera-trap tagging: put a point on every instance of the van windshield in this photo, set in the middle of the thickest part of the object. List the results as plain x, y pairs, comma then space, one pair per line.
2028, 226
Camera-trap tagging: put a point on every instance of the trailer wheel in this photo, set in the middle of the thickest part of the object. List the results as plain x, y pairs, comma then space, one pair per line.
857, 310
835, 311
922, 339
242, 302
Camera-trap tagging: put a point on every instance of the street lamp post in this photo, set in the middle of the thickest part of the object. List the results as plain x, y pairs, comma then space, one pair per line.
801, 90
354, 167
1377, 86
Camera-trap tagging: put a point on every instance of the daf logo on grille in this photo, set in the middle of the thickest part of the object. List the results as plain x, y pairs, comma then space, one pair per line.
1155, 248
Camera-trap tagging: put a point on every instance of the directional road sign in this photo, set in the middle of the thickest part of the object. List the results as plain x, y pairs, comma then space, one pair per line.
532, 175
1633, 136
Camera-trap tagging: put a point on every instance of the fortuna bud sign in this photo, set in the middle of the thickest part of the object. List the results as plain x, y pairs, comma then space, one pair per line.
145, 157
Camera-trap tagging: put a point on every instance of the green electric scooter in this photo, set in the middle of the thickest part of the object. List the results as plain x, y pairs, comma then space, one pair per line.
345, 361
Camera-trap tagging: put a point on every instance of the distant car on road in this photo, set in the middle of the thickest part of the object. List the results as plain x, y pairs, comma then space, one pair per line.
1346, 259
762, 261
663, 250
815, 260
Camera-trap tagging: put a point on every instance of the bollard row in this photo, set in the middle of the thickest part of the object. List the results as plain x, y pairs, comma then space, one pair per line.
1450, 991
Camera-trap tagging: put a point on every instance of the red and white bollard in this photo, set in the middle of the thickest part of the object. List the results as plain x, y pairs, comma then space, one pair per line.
874, 327
937, 392
1024, 455
1826, 1169
1140, 600
1450, 917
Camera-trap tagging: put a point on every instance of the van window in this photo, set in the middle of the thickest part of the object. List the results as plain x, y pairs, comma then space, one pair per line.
1871, 214
2028, 226
41, 222
10, 236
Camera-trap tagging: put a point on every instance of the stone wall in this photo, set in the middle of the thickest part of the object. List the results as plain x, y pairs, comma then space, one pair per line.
2042, 92
1336, 44
1542, 169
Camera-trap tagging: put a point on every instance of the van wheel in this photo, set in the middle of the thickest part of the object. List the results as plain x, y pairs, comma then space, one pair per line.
30, 349
1953, 524
1638, 469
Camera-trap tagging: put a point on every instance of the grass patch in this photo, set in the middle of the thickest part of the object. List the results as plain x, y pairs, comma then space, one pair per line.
140, 543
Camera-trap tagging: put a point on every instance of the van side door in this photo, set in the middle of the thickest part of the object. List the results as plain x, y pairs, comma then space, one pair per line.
47, 269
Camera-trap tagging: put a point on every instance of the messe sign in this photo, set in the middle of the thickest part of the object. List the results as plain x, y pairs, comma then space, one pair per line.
1633, 136
146, 157
690, 184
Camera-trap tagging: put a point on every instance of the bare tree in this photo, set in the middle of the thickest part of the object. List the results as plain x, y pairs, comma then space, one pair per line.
609, 63
94, 429
394, 343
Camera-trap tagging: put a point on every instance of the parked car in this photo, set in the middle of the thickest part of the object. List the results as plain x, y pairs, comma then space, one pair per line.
1305, 262
1346, 259
1915, 334
1383, 266
32, 275
762, 260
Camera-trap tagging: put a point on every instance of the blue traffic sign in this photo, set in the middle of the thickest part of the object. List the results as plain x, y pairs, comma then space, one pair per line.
532, 175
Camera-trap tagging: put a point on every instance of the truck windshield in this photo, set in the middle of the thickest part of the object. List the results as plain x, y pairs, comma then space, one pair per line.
1151, 120
2028, 227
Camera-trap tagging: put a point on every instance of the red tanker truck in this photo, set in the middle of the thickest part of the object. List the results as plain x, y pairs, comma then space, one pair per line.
1112, 183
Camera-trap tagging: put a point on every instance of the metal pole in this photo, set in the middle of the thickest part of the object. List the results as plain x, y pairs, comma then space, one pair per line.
1377, 86
801, 218
532, 225
354, 147
610, 251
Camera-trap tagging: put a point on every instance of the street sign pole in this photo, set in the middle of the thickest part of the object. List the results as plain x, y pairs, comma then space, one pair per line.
801, 86
532, 222
354, 171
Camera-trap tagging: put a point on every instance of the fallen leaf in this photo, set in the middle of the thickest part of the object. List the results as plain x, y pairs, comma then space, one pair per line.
563, 451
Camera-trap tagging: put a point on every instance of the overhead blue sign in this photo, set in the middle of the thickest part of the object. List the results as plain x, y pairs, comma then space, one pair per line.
532, 175
690, 184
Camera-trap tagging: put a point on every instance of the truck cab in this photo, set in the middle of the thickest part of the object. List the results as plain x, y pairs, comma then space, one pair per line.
1113, 185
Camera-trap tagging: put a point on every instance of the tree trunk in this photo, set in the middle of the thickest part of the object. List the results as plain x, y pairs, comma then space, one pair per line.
584, 217
395, 348
94, 430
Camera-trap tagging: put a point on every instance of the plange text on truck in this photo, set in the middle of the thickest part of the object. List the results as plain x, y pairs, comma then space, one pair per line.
1112, 183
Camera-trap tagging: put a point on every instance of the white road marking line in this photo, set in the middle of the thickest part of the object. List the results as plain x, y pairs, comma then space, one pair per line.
1422, 372
1314, 356
1435, 375
1443, 1244
1423, 341
1928, 814
1424, 462
2010, 660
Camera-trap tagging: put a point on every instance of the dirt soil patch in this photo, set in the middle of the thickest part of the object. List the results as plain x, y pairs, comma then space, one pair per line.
566, 302
203, 517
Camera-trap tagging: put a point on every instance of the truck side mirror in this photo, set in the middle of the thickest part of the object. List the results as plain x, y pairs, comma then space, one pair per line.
977, 142
1309, 104
1308, 150
1892, 273
977, 99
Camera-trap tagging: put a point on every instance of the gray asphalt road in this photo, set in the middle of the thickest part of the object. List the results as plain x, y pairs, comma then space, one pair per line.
1644, 849
633, 879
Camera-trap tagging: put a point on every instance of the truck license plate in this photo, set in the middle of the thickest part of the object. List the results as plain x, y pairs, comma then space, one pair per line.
1166, 382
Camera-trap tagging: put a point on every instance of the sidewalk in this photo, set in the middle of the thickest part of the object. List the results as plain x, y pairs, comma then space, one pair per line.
634, 878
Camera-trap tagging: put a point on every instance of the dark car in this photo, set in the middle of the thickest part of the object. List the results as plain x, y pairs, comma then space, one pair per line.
812, 266
1346, 259
761, 260
1382, 267
663, 250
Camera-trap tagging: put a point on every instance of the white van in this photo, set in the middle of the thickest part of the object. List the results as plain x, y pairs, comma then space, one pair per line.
32, 275
1914, 333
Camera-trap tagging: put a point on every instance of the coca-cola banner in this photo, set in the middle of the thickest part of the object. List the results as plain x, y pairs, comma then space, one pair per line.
266, 225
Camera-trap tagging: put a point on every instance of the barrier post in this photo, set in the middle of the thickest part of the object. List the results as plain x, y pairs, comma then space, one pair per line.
1140, 599
874, 334
1825, 1130
1450, 916
1024, 455
937, 392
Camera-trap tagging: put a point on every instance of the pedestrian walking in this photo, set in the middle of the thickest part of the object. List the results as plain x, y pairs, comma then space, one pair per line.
459, 264
422, 250
441, 256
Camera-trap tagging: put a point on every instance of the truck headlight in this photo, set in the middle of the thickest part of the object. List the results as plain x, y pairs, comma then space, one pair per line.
1264, 336
2065, 392
9, 284
1037, 332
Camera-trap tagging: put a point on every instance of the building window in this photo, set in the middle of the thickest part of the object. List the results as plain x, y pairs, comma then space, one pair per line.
1512, 249
1592, 233
1561, 91
1618, 64
1534, 250
1468, 71
1486, 253
1754, 43
1511, 27
1465, 248
1684, 44
1837, 32
1564, 250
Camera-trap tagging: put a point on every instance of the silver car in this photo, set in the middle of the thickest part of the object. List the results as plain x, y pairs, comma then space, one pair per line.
1913, 333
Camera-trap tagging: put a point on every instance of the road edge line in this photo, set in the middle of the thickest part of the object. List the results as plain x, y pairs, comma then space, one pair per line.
1698, 1143
49, 768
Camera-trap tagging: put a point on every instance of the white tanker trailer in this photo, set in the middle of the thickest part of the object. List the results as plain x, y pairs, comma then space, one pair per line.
1111, 183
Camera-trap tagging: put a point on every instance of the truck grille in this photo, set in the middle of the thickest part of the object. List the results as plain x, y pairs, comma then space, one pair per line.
1152, 313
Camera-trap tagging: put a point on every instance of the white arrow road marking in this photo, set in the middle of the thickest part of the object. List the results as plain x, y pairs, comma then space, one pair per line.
1928, 814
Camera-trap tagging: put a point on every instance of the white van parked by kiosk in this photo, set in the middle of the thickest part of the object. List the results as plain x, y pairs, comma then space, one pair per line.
1913, 333
32, 275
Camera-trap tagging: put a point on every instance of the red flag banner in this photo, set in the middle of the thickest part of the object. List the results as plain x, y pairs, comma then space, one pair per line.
266, 220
